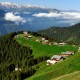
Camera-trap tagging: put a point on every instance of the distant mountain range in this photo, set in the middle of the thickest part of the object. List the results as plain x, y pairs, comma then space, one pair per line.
33, 17
13, 5
7, 6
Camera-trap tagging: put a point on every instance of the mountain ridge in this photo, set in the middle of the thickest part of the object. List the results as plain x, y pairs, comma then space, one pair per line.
63, 34
14, 5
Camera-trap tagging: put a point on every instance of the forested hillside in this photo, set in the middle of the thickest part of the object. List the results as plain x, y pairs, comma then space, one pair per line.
63, 34
16, 61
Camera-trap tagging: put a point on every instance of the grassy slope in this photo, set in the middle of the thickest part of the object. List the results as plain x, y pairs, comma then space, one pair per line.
42, 49
71, 76
67, 66
51, 72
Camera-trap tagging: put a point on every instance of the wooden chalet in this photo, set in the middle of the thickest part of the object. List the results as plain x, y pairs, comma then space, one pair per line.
68, 53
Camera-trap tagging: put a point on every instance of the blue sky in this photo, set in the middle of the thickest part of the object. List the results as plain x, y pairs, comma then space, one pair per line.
59, 4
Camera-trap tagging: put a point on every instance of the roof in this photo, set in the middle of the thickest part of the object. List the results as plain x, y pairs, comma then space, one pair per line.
56, 56
68, 52
29, 36
46, 41
43, 38
62, 43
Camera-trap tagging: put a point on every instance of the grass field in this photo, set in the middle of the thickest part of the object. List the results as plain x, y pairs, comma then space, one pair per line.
71, 76
40, 49
67, 66
56, 71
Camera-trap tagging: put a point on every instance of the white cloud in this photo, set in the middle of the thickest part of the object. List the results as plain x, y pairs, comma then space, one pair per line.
11, 17
51, 14
62, 15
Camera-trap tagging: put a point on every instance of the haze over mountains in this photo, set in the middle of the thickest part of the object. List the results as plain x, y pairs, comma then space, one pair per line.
32, 17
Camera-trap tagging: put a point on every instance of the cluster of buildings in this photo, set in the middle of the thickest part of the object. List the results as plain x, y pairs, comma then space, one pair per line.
44, 41
57, 58
27, 36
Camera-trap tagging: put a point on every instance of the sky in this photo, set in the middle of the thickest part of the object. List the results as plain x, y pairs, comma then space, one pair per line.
58, 4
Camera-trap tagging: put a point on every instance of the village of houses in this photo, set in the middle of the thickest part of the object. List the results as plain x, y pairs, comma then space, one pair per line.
58, 58
55, 58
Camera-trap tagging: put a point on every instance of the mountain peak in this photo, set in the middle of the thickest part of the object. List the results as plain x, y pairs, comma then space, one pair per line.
14, 5
10, 5
6, 3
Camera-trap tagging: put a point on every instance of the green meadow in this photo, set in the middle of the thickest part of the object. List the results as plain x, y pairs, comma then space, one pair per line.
56, 71
40, 49
71, 76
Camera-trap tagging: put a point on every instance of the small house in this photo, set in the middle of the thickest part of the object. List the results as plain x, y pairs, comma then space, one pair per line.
68, 53
50, 43
29, 36
55, 43
50, 62
62, 44
57, 58
46, 41
43, 39
26, 37
25, 32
